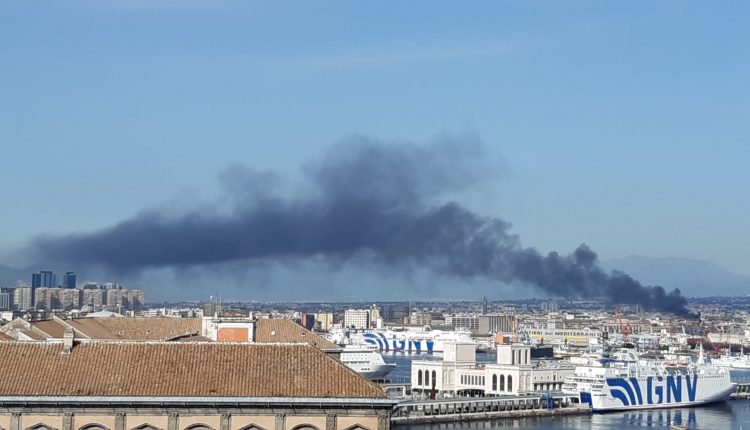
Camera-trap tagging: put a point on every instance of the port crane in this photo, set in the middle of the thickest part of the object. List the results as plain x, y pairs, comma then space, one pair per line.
625, 327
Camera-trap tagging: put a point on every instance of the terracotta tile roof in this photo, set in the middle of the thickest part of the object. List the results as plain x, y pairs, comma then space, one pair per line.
5, 338
192, 338
267, 330
90, 328
34, 335
120, 328
149, 328
176, 369
53, 328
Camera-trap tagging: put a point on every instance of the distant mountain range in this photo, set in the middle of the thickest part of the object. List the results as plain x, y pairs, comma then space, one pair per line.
693, 277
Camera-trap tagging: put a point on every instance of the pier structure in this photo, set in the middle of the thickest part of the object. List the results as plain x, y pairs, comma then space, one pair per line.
742, 392
471, 409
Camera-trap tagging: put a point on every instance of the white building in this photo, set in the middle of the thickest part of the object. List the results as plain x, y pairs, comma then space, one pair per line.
22, 298
578, 337
375, 318
325, 319
463, 322
514, 373
357, 318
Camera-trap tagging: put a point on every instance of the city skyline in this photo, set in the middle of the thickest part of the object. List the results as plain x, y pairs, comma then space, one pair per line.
618, 128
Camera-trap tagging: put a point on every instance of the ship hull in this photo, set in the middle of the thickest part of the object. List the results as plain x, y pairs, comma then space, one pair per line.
375, 372
407, 342
624, 394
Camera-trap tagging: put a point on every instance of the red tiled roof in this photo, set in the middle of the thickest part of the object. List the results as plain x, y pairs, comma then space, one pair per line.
90, 328
191, 338
150, 328
267, 330
52, 327
176, 369
122, 328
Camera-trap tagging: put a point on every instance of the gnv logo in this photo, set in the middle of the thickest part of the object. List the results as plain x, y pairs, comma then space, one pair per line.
659, 390
382, 343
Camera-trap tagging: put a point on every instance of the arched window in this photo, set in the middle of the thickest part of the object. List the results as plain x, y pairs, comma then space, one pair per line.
434, 378
93, 426
305, 427
502, 382
419, 377
494, 382
199, 426
427, 377
510, 383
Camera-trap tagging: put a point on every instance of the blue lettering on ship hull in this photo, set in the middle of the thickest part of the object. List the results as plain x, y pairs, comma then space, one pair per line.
628, 391
384, 344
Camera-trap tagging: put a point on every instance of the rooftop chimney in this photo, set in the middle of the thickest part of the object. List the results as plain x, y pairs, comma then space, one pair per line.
68, 338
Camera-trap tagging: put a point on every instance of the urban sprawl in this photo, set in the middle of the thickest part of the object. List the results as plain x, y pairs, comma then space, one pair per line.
220, 365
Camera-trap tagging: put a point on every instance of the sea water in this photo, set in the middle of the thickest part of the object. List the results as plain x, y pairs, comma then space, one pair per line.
732, 414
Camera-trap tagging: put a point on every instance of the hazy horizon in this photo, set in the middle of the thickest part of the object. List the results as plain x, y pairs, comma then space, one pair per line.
622, 127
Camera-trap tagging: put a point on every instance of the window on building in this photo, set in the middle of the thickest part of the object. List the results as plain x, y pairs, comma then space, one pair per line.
510, 383
198, 426
93, 426
356, 427
434, 378
40, 426
253, 427
146, 426
427, 377
502, 382
419, 377
494, 382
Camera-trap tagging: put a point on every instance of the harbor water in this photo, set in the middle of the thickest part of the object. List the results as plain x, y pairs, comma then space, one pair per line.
733, 414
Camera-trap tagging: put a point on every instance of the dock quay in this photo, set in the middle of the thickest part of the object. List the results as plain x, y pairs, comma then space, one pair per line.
486, 408
742, 392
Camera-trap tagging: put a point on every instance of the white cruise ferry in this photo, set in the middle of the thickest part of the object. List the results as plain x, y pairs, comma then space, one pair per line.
627, 382
738, 362
367, 362
407, 341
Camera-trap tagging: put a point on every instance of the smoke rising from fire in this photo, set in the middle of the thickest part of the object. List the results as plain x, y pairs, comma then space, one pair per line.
364, 199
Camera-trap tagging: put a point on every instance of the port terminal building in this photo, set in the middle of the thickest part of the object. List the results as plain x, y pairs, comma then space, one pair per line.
513, 373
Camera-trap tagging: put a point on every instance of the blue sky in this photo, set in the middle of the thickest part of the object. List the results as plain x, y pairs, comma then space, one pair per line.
622, 125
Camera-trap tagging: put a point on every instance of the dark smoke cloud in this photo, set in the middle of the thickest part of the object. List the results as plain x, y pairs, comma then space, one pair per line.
363, 199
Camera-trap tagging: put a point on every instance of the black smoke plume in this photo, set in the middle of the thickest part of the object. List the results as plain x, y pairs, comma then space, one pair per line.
363, 199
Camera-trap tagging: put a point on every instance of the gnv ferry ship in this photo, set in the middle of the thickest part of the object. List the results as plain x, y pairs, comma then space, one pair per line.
402, 341
628, 382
